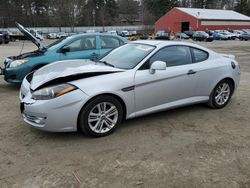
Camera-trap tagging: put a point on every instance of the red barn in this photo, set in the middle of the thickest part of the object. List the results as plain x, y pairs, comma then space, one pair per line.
183, 19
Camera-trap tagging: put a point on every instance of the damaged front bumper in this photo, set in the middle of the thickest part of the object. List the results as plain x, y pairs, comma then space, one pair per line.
55, 115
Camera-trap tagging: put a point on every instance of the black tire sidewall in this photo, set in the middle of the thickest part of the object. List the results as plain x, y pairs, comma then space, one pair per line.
212, 96
83, 116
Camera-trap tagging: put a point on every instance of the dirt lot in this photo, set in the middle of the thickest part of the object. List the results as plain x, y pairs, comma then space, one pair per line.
188, 147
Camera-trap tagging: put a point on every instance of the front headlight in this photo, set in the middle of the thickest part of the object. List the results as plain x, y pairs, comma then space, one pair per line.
52, 92
18, 62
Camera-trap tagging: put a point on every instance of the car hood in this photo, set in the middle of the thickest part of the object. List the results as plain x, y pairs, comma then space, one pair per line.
31, 37
67, 71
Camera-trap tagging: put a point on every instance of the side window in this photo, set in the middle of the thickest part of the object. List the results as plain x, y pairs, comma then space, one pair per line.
84, 43
199, 55
109, 42
173, 56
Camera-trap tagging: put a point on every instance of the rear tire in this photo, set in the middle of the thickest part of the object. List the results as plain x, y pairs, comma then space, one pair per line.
101, 116
221, 94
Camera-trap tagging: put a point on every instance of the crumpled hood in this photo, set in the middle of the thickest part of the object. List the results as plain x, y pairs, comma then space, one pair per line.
62, 69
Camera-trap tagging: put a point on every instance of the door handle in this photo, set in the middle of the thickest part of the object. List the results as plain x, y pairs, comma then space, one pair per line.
94, 54
191, 72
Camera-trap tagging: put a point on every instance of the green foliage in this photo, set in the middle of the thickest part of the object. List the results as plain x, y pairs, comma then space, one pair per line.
243, 6
106, 12
159, 7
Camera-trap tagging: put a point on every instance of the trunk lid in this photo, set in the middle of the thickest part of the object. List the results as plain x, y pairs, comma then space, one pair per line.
228, 56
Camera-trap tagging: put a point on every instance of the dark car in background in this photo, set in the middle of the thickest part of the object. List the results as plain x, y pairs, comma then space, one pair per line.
220, 36
202, 36
6, 37
189, 33
210, 32
244, 36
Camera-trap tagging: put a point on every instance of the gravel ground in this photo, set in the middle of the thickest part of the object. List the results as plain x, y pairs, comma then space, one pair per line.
188, 147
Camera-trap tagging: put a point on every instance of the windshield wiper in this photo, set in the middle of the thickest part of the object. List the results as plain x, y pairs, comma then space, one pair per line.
105, 63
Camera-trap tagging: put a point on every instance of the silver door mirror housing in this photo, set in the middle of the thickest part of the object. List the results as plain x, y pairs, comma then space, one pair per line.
157, 65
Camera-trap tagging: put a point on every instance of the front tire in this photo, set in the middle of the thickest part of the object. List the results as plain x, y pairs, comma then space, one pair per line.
221, 94
101, 116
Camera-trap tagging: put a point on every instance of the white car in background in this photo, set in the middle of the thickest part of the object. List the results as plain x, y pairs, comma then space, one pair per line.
52, 35
136, 79
37, 34
231, 36
112, 32
61, 35
90, 31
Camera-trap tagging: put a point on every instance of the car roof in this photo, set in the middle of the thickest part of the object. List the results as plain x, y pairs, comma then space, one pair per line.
163, 43
99, 34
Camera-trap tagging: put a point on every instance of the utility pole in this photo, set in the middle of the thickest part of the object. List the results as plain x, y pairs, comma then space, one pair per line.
2, 21
197, 23
93, 14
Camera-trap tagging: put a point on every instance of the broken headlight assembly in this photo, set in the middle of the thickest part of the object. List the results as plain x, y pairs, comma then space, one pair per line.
52, 92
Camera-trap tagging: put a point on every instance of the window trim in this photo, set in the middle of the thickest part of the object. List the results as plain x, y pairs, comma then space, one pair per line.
120, 42
192, 54
140, 68
80, 38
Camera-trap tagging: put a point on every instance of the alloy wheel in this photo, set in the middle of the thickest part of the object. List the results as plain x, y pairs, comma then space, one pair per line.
103, 117
222, 93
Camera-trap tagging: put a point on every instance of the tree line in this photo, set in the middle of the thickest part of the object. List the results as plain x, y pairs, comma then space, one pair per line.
71, 13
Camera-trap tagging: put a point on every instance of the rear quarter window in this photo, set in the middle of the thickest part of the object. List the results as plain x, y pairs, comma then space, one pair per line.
199, 55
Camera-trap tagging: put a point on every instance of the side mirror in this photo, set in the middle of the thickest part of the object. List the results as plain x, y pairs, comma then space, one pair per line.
157, 65
65, 49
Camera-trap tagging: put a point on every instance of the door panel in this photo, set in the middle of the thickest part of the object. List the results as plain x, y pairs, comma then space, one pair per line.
83, 48
164, 86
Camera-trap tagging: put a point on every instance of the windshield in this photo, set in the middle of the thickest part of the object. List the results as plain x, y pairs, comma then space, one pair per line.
55, 43
128, 56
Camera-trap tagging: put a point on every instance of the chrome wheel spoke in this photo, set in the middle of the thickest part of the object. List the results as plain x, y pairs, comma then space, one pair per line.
93, 117
107, 124
99, 108
109, 121
96, 125
112, 111
100, 126
103, 106
218, 98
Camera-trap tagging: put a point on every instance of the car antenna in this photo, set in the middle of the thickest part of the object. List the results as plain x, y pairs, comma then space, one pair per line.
22, 48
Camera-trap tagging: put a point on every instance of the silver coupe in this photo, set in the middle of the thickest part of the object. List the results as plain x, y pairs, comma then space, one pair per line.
135, 79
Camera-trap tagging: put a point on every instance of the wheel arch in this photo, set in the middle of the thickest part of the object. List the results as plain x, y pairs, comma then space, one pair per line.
231, 80
226, 78
124, 108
